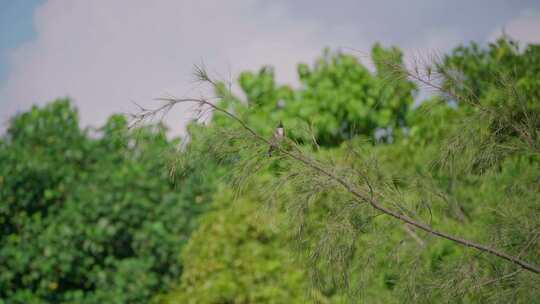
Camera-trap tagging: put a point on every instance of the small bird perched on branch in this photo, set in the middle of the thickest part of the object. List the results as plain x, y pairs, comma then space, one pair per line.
276, 138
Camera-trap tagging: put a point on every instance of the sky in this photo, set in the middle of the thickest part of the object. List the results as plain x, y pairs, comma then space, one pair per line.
108, 55
15, 28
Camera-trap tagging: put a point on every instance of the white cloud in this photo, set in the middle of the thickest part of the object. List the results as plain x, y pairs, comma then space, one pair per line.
106, 54
524, 28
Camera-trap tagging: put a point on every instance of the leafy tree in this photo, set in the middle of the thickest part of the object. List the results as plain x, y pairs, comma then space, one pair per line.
468, 190
481, 71
239, 256
98, 218
338, 98
91, 218
499, 86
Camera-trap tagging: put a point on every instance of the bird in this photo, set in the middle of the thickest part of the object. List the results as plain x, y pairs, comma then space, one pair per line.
278, 135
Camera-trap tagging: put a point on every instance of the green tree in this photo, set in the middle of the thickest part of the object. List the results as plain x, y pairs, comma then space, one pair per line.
338, 98
92, 218
499, 86
481, 187
239, 255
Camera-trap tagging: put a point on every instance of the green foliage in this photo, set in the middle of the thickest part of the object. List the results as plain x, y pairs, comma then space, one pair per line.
499, 88
495, 208
100, 218
397, 91
91, 218
239, 256
338, 98
449, 167
479, 71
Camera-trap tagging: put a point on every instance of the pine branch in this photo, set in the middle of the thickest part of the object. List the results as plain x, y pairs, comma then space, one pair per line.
347, 185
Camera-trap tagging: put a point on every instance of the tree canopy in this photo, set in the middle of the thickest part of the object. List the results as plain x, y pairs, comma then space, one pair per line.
127, 215
447, 165
91, 216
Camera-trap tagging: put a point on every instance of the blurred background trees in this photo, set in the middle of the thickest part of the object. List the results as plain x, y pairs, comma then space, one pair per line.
91, 216
121, 215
